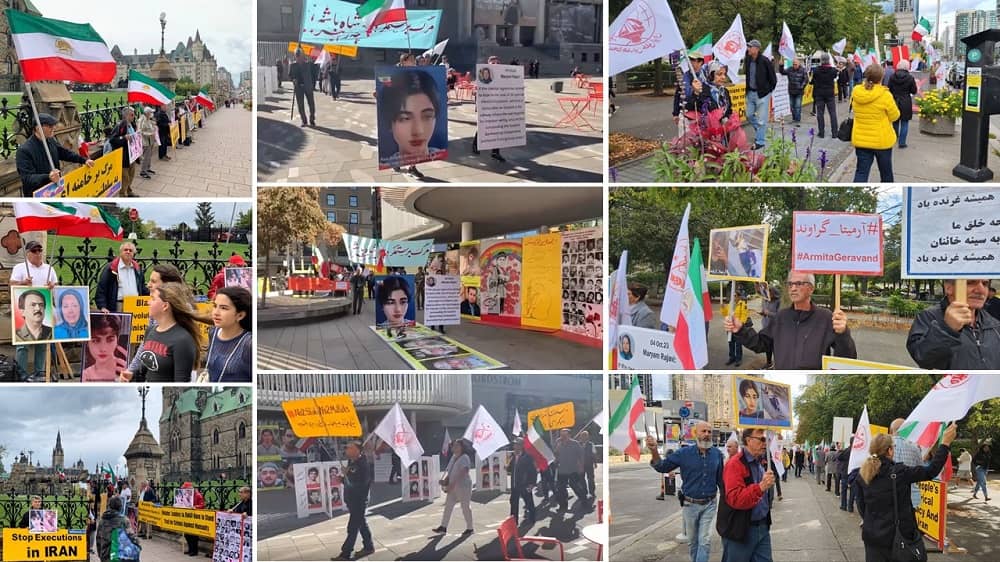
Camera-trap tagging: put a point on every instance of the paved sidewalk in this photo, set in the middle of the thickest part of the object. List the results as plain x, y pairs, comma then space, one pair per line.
346, 342
217, 164
342, 147
402, 531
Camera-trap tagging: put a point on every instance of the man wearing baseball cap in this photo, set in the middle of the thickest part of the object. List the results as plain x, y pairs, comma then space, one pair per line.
32, 163
219, 281
696, 73
761, 81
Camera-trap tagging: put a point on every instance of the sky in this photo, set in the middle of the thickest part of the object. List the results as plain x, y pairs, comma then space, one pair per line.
225, 25
97, 423
928, 9
183, 211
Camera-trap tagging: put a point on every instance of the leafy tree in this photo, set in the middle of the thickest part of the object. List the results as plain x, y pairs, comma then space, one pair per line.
204, 217
286, 215
140, 227
185, 86
245, 219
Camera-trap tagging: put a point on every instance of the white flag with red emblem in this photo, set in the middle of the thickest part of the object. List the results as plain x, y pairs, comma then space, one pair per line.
862, 441
643, 31
774, 449
397, 432
786, 45
949, 400
485, 433
731, 48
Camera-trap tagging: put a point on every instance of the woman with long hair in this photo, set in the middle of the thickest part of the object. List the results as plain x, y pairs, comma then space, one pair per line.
162, 273
394, 299
172, 348
105, 356
457, 484
230, 349
885, 501
872, 135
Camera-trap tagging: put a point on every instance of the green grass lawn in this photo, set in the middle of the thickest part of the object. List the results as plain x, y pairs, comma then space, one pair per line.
114, 98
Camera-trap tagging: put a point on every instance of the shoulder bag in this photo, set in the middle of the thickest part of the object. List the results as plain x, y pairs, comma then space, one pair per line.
203, 376
846, 126
904, 549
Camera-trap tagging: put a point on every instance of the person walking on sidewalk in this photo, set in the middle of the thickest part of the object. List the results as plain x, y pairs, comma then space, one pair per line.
457, 485
798, 77
981, 462
569, 470
589, 462
523, 475
358, 282
744, 520
357, 481
820, 459
885, 500
800, 462
701, 471
831, 466
872, 134
823, 96
903, 87
303, 80
761, 81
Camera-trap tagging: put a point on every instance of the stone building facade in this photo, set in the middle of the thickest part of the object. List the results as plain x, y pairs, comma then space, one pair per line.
25, 477
10, 71
192, 60
206, 433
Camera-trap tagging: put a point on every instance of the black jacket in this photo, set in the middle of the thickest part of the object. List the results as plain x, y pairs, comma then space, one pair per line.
107, 285
765, 78
823, 80
799, 340
797, 79
33, 165
523, 472
119, 139
981, 458
902, 86
110, 520
933, 345
843, 459
357, 481
875, 499
244, 507
302, 74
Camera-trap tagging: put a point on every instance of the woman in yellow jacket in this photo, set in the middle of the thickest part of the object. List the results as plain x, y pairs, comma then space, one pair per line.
873, 136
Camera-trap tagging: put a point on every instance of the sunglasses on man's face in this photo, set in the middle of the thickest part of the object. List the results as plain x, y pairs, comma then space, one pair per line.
36, 251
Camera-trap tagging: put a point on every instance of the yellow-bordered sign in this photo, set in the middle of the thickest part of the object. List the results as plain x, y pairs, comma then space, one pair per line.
199, 522
931, 511
844, 364
21, 546
323, 416
557, 416
737, 253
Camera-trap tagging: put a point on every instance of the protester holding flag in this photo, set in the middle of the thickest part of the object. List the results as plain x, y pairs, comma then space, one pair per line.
695, 76
761, 81
641, 315
33, 163
885, 499
457, 485
957, 335
357, 481
872, 134
119, 140
798, 77
701, 471
523, 476
802, 334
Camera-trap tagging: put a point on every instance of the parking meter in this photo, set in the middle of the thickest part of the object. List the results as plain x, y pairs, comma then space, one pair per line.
981, 100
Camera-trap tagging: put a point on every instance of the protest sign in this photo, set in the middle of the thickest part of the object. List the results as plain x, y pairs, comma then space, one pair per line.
19, 546
843, 430
932, 513
468, 262
104, 179
421, 481
582, 287
134, 146
229, 537
541, 282
323, 416
184, 497
200, 522
761, 403
557, 416
43, 520
950, 232
175, 134
780, 104
469, 298
391, 253
412, 115
138, 307
310, 489
441, 304
424, 349
337, 22
832, 363
70, 304
500, 118
500, 284
239, 277
33, 316
247, 546
643, 348
396, 305
837, 243
738, 253
346, 50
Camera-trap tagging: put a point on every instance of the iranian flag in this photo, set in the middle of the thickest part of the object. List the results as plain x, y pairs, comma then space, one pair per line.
50, 49
535, 445
706, 297
899, 52
68, 219
682, 304
374, 13
949, 400
143, 89
703, 46
204, 99
922, 29
622, 424
862, 441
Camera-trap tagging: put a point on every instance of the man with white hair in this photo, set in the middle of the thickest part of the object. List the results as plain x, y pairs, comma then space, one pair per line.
903, 87
118, 139
701, 472
955, 334
799, 336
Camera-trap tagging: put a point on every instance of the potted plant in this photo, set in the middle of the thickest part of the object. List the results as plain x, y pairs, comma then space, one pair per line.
938, 111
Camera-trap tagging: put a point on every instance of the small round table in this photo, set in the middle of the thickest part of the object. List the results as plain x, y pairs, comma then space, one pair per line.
597, 534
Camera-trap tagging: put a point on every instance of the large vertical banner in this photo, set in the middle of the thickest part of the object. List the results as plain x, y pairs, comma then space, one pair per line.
471, 271
500, 106
582, 289
412, 107
500, 287
541, 292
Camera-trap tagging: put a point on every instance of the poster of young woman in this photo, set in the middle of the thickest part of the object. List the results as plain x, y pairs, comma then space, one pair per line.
72, 323
395, 305
412, 107
500, 284
761, 403
738, 253
107, 351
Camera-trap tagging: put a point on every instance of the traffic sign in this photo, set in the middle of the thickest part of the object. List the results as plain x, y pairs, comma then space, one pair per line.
685, 412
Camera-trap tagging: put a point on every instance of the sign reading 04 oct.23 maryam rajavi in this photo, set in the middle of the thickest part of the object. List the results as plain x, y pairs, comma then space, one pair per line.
390, 253
336, 22
951, 232
837, 243
761, 403
323, 416
19, 545
646, 349
554, 417
102, 180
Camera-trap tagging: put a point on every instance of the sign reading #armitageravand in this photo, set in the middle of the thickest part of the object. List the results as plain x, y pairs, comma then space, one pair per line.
951, 232
833, 242
500, 106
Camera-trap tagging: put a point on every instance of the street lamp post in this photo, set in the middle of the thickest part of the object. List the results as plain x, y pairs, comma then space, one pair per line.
163, 29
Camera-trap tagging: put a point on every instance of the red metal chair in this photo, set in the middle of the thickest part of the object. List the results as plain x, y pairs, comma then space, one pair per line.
508, 531
596, 96
600, 511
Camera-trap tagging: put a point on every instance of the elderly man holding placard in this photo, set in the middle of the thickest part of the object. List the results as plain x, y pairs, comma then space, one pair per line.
957, 334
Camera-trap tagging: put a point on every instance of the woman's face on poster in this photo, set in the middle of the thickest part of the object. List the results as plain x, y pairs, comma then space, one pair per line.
413, 126
395, 307
70, 308
102, 346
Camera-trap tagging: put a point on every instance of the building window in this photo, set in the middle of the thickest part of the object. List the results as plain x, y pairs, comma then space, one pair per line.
242, 432
353, 201
597, 57
215, 437
583, 57
287, 22
331, 216
352, 229
331, 200
355, 217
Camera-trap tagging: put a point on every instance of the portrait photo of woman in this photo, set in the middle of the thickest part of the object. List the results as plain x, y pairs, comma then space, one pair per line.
71, 313
395, 309
412, 116
106, 354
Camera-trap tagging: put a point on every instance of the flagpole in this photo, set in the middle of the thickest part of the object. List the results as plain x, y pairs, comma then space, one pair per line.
38, 121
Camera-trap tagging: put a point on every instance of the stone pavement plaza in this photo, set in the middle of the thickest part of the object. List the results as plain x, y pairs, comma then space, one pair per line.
402, 531
346, 342
217, 164
342, 147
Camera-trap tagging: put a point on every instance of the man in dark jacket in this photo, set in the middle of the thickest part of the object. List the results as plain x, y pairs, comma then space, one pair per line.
122, 277
800, 462
163, 129
761, 81
32, 163
589, 461
798, 77
358, 283
956, 335
357, 481
824, 99
119, 139
303, 79
903, 87
111, 521
843, 459
801, 335
523, 476
992, 306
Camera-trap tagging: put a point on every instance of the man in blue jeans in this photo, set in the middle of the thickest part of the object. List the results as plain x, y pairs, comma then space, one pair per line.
701, 472
761, 81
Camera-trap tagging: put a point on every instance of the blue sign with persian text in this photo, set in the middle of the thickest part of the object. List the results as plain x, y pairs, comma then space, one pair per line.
336, 22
